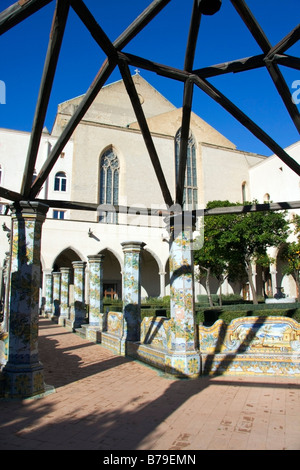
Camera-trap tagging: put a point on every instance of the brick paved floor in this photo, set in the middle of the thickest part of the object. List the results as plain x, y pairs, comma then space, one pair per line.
102, 401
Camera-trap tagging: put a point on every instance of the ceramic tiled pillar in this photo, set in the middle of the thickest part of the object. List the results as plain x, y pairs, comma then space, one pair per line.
48, 294
64, 295
96, 289
132, 290
56, 294
78, 310
182, 358
23, 371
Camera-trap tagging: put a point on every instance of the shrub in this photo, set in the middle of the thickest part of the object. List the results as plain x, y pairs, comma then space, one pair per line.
209, 316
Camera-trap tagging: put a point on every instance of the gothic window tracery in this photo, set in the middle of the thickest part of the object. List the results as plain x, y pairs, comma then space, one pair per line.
190, 198
109, 184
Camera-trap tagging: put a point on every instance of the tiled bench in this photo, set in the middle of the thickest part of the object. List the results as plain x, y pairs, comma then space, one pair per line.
251, 346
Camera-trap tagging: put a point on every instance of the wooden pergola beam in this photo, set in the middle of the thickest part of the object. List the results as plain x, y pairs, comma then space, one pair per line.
184, 138
273, 206
288, 41
192, 36
18, 12
92, 207
140, 23
93, 27
10, 195
54, 46
135, 101
217, 96
234, 66
75, 119
187, 100
288, 61
277, 77
101, 78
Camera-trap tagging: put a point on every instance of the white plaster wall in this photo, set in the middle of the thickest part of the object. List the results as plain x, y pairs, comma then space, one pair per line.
224, 171
138, 184
13, 155
275, 178
59, 235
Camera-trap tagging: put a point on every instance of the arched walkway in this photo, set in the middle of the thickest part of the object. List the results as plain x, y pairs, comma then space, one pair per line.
65, 260
285, 282
112, 276
150, 281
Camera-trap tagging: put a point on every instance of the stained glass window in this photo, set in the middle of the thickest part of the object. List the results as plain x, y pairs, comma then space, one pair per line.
190, 197
109, 184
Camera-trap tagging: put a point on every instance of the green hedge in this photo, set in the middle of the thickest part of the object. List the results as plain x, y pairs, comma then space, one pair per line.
210, 316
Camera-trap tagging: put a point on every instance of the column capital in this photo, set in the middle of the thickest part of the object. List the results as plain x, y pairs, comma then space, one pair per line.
79, 264
96, 258
133, 245
29, 209
65, 269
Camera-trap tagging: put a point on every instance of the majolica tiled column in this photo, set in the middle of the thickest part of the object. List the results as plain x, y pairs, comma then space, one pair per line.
95, 288
64, 295
183, 359
23, 371
56, 294
78, 311
48, 294
132, 290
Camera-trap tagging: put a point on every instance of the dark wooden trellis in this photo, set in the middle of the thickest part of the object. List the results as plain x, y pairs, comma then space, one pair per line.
270, 58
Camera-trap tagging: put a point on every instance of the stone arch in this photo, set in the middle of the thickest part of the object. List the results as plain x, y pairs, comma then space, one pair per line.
284, 281
65, 259
112, 274
150, 269
167, 277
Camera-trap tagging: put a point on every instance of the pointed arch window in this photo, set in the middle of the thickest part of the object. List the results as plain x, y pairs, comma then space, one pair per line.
244, 192
190, 196
109, 184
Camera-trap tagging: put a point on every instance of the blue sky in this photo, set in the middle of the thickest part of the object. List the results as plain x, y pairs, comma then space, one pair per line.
223, 37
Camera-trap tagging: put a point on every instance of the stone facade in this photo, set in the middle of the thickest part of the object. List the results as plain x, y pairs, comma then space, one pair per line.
72, 240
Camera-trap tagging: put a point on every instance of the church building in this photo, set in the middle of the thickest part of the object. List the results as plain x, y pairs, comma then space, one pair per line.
106, 163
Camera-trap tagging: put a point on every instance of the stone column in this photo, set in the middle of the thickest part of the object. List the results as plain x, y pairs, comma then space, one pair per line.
78, 308
48, 294
162, 283
6, 294
64, 295
132, 290
23, 371
96, 289
56, 294
182, 359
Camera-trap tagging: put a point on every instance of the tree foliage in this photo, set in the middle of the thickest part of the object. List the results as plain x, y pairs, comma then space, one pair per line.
233, 242
291, 255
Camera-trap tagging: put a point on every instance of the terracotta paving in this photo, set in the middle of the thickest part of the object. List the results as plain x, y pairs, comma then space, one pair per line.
104, 402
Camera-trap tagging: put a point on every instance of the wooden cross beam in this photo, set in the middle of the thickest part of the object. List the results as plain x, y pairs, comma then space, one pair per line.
148, 211
18, 12
108, 47
187, 100
54, 46
133, 95
272, 67
101, 78
217, 96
